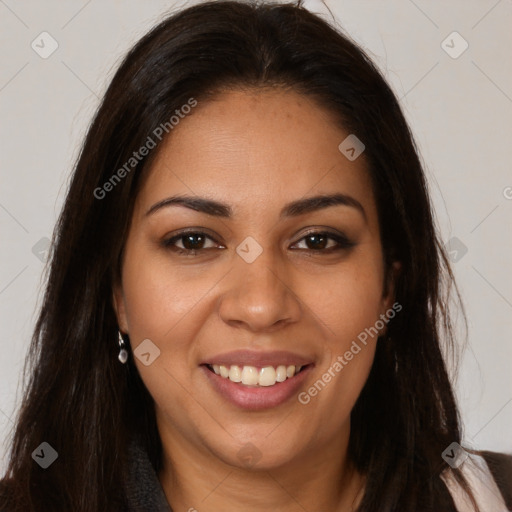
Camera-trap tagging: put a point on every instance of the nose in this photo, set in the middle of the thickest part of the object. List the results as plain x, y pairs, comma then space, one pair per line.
259, 296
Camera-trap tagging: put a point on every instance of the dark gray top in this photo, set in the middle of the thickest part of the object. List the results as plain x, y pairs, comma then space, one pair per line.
143, 489
144, 492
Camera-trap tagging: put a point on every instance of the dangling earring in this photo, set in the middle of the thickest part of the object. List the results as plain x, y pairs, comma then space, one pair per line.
123, 353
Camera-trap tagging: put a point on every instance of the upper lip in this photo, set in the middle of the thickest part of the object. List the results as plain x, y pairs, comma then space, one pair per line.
253, 358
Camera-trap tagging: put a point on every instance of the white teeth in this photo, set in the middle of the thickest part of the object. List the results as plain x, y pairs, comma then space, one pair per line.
267, 376
251, 376
235, 374
281, 373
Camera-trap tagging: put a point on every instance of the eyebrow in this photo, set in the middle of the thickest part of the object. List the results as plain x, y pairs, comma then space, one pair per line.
293, 209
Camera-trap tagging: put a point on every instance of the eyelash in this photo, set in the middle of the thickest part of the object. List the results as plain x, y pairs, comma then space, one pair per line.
342, 241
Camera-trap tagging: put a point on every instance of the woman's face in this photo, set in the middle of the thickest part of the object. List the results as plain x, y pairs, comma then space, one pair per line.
276, 280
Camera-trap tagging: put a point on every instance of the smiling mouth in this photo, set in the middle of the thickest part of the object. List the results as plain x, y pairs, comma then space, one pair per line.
253, 376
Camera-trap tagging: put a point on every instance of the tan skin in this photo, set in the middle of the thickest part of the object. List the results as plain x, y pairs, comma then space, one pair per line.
255, 150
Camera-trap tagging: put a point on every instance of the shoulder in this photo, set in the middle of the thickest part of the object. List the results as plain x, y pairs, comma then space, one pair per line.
500, 466
489, 475
5, 494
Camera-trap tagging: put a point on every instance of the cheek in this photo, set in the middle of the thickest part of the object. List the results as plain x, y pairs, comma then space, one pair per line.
346, 301
162, 306
336, 390
158, 296
168, 306
349, 306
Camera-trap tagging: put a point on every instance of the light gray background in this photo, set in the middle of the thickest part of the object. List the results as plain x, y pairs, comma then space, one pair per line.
459, 110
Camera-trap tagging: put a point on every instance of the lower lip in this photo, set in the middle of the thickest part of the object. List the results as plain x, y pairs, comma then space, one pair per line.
256, 398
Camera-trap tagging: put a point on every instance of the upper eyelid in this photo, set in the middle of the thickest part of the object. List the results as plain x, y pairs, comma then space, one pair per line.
191, 232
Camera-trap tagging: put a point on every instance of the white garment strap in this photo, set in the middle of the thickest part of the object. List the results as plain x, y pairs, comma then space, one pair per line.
482, 483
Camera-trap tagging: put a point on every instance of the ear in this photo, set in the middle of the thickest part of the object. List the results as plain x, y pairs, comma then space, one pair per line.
120, 308
388, 296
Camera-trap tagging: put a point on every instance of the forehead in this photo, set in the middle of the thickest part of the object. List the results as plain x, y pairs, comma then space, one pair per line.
257, 148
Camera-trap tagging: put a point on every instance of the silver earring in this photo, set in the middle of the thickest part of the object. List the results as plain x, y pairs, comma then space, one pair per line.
123, 353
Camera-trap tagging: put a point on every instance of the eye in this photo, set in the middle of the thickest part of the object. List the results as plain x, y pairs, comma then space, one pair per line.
321, 241
191, 242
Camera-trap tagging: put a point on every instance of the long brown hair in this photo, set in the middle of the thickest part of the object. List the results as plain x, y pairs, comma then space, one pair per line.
81, 401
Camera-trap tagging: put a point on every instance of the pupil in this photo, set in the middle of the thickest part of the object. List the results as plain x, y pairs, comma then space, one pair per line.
320, 245
188, 241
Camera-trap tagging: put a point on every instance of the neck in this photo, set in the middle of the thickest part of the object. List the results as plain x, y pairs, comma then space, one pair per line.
319, 479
